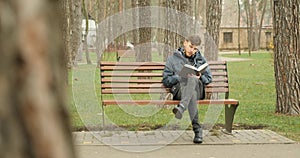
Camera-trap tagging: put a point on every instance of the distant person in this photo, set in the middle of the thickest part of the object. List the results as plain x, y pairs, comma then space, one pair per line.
187, 89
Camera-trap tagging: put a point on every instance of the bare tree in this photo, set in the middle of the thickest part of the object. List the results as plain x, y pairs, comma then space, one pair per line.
74, 30
169, 37
286, 56
86, 47
101, 14
213, 22
239, 24
144, 52
264, 6
135, 15
33, 118
249, 20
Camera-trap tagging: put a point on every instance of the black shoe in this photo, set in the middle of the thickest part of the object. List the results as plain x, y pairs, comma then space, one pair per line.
198, 138
178, 111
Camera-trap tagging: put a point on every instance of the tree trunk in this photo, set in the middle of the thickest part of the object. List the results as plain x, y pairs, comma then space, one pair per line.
185, 25
239, 24
102, 11
213, 21
144, 50
33, 117
86, 47
261, 21
286, 56
135, 32
169, 37
249, 19
75, 31
255, 26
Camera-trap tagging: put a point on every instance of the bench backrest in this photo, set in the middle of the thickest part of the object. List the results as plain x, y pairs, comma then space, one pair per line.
146, 78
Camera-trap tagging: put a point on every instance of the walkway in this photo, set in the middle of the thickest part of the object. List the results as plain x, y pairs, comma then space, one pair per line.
264, 143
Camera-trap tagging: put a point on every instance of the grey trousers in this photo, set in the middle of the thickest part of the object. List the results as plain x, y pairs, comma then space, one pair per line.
191, 90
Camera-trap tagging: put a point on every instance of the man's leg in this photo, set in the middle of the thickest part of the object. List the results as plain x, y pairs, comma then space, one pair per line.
193, 112
187, 89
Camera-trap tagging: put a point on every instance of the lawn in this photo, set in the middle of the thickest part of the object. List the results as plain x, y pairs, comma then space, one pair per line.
251, 82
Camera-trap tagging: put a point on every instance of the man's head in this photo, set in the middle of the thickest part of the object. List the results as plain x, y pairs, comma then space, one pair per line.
190, 45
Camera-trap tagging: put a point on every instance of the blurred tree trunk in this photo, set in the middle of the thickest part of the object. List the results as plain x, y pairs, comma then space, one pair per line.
286, 56
101, 12
33, 117
170, 24
144, 50
185, 6
86, 47
74, 31
65, 28
135, 15
213, 22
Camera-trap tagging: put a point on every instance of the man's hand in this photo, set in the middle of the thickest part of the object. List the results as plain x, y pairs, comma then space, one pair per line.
198, 75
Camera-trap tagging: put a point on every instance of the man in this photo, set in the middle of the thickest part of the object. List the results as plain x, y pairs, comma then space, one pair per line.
187, 89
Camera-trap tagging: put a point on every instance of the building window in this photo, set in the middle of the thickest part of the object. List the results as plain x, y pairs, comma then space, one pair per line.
227, 37
268, 35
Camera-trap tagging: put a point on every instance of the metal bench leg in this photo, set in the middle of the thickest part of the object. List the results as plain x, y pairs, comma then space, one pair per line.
229, 116
103, 121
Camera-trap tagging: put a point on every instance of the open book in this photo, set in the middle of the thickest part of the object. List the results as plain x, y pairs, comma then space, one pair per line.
189, 69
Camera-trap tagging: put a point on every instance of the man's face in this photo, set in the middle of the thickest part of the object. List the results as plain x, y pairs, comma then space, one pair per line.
189, 48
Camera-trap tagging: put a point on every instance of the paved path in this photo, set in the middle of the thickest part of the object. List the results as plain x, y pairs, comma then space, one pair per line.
197, 151
243, 143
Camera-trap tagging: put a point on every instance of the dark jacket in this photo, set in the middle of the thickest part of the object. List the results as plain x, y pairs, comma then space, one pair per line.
175, 63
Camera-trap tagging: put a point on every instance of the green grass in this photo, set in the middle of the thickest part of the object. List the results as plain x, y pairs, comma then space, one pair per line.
251, 82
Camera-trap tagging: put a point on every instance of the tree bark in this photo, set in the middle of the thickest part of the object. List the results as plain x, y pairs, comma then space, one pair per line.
135, 15
213, 22
239, 24
249, 21
169, 37
144, 50
75, 31
262, 20
86, 47
286, 56
33, 117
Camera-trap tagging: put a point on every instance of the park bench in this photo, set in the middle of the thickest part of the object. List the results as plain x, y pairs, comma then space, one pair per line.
125, 54
134, 78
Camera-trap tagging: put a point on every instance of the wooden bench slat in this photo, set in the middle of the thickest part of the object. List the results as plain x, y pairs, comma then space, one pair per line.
147, 74
216, 84
105, 63
158, 85
167, 102
114, 80
133, 91
152, 63
136, 68
109, 74
220, 79
216, 90
132, 68
217, 67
